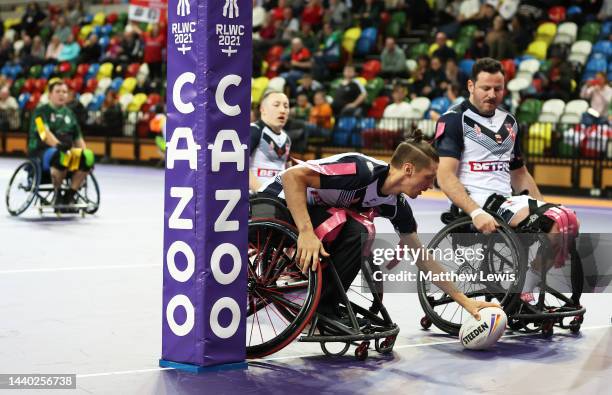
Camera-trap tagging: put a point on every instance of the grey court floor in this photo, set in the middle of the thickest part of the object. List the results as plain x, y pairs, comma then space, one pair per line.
83, 296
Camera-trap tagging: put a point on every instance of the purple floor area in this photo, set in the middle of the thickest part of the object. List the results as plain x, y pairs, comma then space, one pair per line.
83, 296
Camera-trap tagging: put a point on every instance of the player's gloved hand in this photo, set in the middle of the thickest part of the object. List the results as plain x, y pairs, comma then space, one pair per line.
483, 221
309, 250
63, 146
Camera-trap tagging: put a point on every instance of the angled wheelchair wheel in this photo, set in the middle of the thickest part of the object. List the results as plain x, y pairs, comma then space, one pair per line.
22, 188
90, 194
281, 300
501, 257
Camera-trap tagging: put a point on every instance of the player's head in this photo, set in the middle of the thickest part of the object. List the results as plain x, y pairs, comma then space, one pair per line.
486, 85
58, 93
417, 162
274, 109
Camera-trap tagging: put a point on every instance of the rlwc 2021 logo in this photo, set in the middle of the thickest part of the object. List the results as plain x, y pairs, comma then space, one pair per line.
490, 166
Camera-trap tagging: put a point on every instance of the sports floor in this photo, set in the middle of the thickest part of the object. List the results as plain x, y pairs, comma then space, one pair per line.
84, 296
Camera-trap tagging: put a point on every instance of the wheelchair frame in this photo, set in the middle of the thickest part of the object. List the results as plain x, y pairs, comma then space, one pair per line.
41, 192
379, 326
521, 315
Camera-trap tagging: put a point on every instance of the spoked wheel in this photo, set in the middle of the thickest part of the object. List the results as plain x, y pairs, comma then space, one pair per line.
90, 194
22, 188
500, 256
281, 300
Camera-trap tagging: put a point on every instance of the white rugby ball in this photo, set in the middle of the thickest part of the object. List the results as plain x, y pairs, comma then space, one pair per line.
481, 334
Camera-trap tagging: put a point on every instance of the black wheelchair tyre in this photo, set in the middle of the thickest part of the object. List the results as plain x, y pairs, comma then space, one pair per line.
507, 299
31, 172
93, 201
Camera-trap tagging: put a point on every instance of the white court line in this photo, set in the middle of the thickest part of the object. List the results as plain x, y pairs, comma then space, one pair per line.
79, 268
159, 369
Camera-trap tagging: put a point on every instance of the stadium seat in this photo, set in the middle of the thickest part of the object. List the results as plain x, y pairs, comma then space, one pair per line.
378, 107
274, 53
580, 51
91, 85
104, 41
529, 111
589, 32
546, 32
349, 40
76, 83
277, 84
373, 88
82, 69
538, 49
540, 136
98, 19
370, 69
35, 71
366, 42
420, 105
144, 70
603, 47
596, 64
606, 30
105, 71
258, 87
132, 70
461, 48
44, 99
128, 85
92, 71
552, 110
85, 32
556, 14
418, 50
467, 31
112, 18
570, 119
96, 102
33, 101
509, 68
47, 70
40, 84
124, 100
440, 104
103, 85
138, 100
107, 30
411, 65
23, 100
528, 67
465, 65
566, 33
116, 84
18, 87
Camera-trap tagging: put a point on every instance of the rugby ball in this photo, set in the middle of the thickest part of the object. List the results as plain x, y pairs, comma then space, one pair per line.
482, 334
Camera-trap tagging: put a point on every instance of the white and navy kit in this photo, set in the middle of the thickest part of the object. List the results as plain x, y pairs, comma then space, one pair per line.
487, 148
353, 181
269, 151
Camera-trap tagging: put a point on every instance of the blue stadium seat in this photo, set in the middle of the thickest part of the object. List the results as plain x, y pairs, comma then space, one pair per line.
48, 70
116, 84
366, 41
23, 100
465, 65
93, 71
597, 63
603, 47
440, 104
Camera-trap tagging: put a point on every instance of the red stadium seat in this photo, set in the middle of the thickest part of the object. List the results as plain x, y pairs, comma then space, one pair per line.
273, 69
509, 68
132, 70
112, 18
91, 85
370, 69
82, 69
556, 14
29, 85
274, 53
76, 83
154, 99
378, 107
33, 101
40, 85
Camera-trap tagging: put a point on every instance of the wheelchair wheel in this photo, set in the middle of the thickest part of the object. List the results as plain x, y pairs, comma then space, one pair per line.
501, 254
90, 194
22, 188
281, 300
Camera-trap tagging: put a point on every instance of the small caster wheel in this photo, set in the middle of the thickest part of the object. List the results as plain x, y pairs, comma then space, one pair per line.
426, 322
385, 346
547, 329
579, 319
335, 352
574, 326
361, 352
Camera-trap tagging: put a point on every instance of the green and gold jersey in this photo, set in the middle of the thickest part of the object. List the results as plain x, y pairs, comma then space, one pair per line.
60, 121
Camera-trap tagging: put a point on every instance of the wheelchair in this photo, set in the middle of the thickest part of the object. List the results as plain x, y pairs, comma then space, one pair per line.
507, 252
29, 185
282, 301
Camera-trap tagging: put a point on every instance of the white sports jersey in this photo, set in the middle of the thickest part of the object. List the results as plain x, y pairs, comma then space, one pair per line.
486, 147
269, 151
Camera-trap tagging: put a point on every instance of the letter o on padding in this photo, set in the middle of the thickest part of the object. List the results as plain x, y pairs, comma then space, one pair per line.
215, 263
180, 275
230, 330
186, 327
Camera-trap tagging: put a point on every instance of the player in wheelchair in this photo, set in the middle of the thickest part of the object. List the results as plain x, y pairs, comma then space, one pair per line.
480, 166
306, 255
58, 175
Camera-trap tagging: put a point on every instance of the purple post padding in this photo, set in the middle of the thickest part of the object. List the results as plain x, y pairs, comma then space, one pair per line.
206, 185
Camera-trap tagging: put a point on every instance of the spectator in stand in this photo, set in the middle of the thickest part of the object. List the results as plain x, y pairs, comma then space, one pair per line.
300, 62
308, 86
396, 114
77, 108
74, 12
444, 52
479, 48
9, 111
289, 26
393, 60
419, 83
6, 51
485, 16
131, 47
308, 37
453, 96
350, 95
32, 19
599, 92
519, 36
328, 55
91, 51
369, 13
54, 49
301, 111
338, 14
268, 30
454, 75
113, 50
37, 51
278, 12
558, 82
313, 14
499, 40
61, 29
435, 79
70, 50
321, 120
154, 43
109, 122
